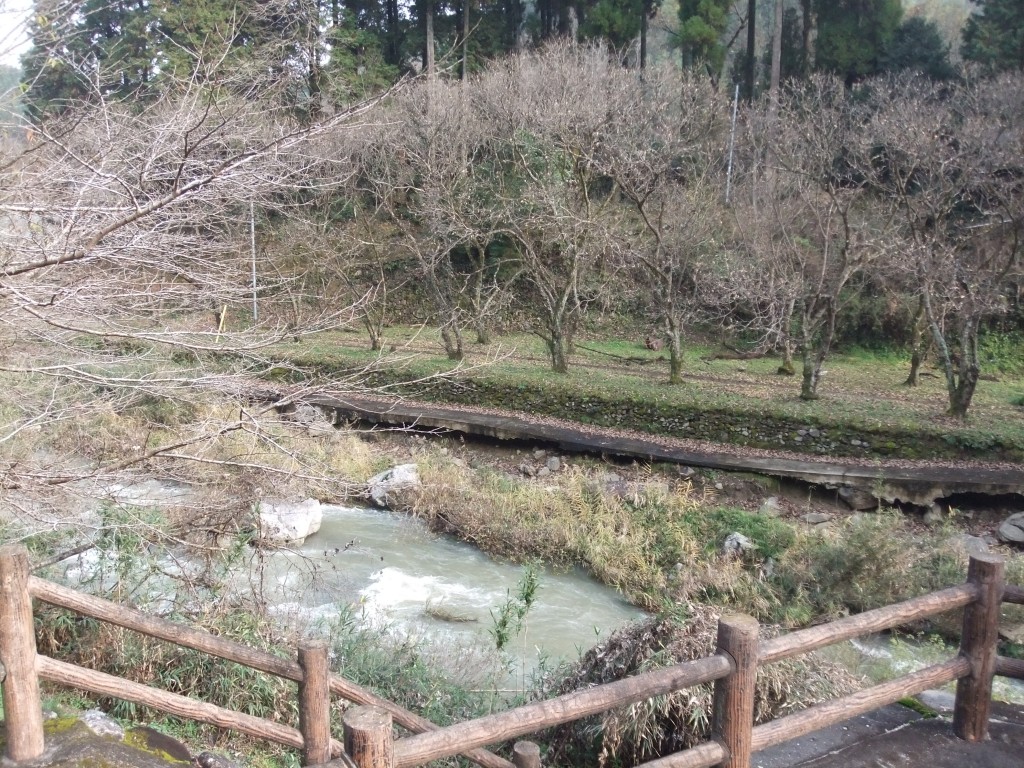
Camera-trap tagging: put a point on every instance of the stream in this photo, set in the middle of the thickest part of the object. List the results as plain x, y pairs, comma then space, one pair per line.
378, 569
395, 574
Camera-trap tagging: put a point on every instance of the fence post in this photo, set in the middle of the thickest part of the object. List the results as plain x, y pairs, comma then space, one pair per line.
978, 645
315, 703
733, 718
22, 709
525, 754
368, 739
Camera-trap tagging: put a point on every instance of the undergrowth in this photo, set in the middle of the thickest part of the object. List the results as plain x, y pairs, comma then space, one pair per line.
660, 542
654, 537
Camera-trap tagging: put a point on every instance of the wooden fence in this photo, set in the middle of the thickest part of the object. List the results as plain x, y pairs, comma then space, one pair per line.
369, 740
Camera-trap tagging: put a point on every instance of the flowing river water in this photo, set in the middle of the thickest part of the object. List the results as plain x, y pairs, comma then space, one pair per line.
384, 570
392, 572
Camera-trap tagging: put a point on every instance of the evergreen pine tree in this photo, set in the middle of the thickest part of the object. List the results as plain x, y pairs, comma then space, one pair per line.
853, 35
995, 35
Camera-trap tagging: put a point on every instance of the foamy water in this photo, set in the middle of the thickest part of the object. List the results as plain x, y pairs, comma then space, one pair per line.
392, 572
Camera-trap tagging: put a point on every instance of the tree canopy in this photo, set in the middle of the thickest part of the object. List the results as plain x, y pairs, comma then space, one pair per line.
853, 35
917, 45
994, 35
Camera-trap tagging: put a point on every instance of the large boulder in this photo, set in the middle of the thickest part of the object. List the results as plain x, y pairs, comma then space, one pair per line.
381, 488
856, 499
1012, 529
94, 740
283, 522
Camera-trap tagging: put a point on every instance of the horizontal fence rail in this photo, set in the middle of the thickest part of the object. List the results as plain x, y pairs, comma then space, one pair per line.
200, 640
172, 703
836, 711
369, 741
880, 619
1014, 594
425, 747
1010, 667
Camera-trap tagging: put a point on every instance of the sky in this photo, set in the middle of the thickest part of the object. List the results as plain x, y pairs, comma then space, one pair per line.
13, 39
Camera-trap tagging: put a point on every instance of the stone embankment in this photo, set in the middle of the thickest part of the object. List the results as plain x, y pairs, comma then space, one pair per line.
740, 426
909, 482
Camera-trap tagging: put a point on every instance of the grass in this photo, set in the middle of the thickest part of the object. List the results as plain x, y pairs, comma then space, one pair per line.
862, 389
657, 540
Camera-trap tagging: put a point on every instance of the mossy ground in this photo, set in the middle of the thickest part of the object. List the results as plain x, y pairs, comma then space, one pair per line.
863, 396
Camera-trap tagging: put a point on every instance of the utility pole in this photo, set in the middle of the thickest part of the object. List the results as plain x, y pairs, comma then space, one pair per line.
252, 250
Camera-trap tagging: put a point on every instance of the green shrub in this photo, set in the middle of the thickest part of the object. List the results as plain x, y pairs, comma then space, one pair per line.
1003, 352
711, 526
413, 674
828, 574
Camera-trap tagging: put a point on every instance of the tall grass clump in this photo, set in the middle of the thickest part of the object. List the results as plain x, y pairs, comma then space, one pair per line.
443, 684
629, 539
666, 724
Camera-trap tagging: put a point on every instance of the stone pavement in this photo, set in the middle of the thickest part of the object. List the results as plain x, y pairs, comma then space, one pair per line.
898, 737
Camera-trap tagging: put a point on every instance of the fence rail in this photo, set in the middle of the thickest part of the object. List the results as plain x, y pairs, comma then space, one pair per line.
369, 740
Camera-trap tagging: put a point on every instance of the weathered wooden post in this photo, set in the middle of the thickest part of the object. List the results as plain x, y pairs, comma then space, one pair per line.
732, 722
368, 739
978, 645
525, 754
23, 711
315, 703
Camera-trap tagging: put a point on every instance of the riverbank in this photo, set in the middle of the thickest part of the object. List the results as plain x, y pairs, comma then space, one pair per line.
865, 410
922, 483
654, 533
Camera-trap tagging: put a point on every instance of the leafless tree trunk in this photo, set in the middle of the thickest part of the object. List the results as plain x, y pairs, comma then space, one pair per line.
428, 51
918, 345
464, 72
776, 51
785, 337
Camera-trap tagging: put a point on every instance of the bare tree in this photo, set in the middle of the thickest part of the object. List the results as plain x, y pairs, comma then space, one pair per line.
948, 160
125, 278
550, 111
664, 159
815, 226
415, 172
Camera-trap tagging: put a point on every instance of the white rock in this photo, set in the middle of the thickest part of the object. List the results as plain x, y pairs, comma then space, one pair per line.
971, 545
855, 498
736, 543
102, 725
285, 522
400, 478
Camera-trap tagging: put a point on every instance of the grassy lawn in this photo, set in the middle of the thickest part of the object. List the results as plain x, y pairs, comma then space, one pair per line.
861, 390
